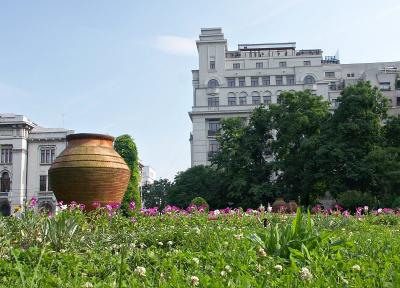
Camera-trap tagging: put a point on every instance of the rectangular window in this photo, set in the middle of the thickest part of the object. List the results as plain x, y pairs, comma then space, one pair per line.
332, 86
43, 183
213, 127
259, 65
47, 155
307, 63
278, 80
212, 65
254, 81
242, 82
398, 101
231, 101
236, 65
213, 149
267, 100
255, 100
213, 101
231, 82
6, 155
282, 64
350, 75
329, 74
290, 80
242, 100
266, 81
384, 86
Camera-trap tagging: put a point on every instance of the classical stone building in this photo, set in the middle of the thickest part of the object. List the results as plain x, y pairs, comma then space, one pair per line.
232, 83
27, 151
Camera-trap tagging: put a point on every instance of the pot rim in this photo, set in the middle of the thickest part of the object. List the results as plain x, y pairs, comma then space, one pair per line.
89, 136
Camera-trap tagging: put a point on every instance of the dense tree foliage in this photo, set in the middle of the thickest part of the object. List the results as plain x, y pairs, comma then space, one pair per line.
156, 194
126, 147
300, 149
198, 181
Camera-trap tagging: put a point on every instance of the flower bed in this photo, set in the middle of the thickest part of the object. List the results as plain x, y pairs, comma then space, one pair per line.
193, 247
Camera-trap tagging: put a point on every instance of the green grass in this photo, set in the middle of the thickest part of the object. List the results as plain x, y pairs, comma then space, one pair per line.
77, 250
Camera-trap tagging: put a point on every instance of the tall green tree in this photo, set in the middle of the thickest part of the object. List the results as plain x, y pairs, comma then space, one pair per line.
355, 130
245, 158
156, 194
198, 181
126, 147
298, 117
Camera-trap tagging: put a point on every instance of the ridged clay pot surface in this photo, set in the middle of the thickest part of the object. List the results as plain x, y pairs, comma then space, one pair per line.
279, 205
89, 170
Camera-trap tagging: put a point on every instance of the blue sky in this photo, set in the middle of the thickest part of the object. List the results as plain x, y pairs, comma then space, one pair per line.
121, 67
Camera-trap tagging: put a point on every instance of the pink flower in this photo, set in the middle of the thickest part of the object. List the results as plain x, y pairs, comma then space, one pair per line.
82, 207
132, 206
96, 204
133, 220
32, 203
346, 213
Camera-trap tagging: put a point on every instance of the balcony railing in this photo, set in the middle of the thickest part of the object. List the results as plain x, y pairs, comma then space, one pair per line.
46, 194
4, 194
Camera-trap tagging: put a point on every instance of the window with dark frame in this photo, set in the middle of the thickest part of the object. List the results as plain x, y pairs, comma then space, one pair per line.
213, 101
267, 99
231, 82
282, 64
212, 65
232, 101
384, 86
47, 155
329, 74
290, 80
6, 155
242, 82
278, 80
255, 100
43, 183
254, 81
236, 65
259, 65
266, 81
243, 100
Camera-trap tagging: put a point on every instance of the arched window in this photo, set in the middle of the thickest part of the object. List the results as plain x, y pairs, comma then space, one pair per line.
213, 83
267, 97
309, 79
5, 182
5, 209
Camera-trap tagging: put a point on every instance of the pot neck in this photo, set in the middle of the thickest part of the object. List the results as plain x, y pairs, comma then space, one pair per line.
90, 142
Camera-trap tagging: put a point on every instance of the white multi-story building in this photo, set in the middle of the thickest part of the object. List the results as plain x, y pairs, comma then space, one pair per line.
27, 151
233, 83
147, 175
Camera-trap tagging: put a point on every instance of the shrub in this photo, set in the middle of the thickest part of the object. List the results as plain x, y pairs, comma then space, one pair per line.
352, 199
199, 201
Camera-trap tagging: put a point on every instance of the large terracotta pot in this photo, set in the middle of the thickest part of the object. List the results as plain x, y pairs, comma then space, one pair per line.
89, 170
279, 205
292, 206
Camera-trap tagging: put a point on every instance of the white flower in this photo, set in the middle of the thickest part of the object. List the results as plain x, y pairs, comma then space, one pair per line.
160, 243
194, 280
228, 268
305, 274
217, 212
238, 236
223, 273
142, 245
87, 285
269, 208
278, 267
262, 252
170, 243
380, 210
141, 271
196, 260
197, 230
356, 267
366, 209
63, 207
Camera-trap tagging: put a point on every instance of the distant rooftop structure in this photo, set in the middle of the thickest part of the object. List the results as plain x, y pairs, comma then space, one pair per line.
266, 46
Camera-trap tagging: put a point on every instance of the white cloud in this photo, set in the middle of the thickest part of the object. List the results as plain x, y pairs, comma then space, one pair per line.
176, 45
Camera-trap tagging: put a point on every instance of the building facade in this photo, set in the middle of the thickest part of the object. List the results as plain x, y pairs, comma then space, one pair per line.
27, 151
232, 83
147, 175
